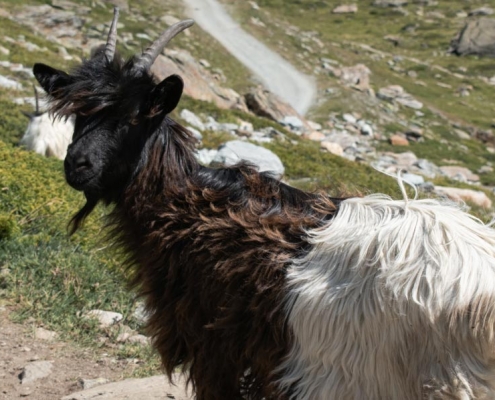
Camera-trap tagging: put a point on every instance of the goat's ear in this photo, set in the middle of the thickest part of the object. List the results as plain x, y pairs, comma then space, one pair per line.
50, 79
166, 95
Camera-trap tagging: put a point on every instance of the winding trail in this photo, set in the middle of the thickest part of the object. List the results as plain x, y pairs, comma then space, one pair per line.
275, 73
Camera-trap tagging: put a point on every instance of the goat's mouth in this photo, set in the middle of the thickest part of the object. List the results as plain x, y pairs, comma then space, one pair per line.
80, 182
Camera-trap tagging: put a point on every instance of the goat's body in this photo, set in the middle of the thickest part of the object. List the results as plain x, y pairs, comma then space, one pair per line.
48, 136
261, 294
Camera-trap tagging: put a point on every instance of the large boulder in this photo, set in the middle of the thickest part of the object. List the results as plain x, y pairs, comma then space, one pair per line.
265, 104
232, 152
199, 82
476, 37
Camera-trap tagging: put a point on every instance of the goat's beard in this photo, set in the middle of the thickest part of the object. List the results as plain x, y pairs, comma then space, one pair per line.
78, 219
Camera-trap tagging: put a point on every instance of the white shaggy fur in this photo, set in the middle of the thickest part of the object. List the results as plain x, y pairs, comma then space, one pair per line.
48, 136
396, 301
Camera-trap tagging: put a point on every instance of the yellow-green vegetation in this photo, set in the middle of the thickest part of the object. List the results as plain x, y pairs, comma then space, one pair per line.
50, 277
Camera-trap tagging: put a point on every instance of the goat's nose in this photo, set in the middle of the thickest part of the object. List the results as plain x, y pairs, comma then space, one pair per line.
77, 162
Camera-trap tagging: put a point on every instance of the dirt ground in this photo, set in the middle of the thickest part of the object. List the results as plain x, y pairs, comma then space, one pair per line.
18, 347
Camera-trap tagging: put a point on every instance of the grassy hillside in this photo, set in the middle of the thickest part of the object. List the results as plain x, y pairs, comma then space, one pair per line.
401, 46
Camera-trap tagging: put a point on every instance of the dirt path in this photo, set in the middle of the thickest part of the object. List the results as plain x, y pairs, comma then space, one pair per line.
271, 69
70, 364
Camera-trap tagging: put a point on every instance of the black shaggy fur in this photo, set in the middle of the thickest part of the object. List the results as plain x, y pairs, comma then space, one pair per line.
208, 248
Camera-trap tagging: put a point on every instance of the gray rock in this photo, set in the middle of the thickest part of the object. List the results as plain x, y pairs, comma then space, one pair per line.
105, 318
481, 11
152, 388
365, 128
396, 93
139, 339
234, 151
91, 383
346, 9
428, 168
206, 156
192, 119
140, 314
293, 122
35, 370
44, 334
460, 173
8, 83
461, 195
476, 37
414, 179
349, 118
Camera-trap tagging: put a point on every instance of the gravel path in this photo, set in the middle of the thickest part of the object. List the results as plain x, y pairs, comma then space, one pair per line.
271, 69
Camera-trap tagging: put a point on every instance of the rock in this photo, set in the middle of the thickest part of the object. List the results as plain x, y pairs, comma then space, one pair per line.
395, 93
332, 147
344, 139
459, 173
414, 179
35, 370
152, 388
192, 119
265, 104
460, 195
4, 51
485, 169
105, 318
357, 76
396, 140
349, 118
477, 37
390, 3
199, 82
294, 123
140, 314
414, 133
91, 383
486, 136
206, 156
427, 168
461, 134
8, 83
481, 11
365, 128
315, 136
346, 9
44, 334
232, 152
139, 339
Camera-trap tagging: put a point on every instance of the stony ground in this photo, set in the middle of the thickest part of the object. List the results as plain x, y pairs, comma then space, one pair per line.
25, 358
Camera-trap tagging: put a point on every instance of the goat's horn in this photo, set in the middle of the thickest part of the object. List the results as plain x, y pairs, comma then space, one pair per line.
112, 36
151, 53
36, 101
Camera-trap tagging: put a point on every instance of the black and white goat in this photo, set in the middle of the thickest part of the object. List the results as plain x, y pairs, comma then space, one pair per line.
260, 290
47, 135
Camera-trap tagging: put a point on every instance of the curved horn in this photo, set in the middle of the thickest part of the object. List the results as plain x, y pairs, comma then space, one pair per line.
36, 100
151, 53
112, 36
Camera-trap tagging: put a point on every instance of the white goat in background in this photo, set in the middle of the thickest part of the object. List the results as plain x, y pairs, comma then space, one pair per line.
47, 135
